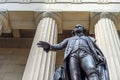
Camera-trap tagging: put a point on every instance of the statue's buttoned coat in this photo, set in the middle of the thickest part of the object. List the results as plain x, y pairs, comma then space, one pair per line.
94, 50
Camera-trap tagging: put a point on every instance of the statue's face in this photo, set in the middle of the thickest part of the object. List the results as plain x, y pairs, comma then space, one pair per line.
78, 29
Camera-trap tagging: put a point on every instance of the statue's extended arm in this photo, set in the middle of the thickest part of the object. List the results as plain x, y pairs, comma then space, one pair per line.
47, 47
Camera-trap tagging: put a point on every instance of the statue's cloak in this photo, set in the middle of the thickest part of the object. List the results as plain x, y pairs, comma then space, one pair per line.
101, 66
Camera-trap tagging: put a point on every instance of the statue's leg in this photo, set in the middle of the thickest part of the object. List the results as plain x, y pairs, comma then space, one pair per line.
88, 65
74, 67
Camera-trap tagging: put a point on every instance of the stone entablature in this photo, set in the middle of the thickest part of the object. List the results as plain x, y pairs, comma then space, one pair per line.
59, 1
16, 20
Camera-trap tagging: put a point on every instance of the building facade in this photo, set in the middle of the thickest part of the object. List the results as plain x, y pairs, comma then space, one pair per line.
51, 19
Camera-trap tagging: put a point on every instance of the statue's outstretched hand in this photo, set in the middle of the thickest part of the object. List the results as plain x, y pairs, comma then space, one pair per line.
44, 45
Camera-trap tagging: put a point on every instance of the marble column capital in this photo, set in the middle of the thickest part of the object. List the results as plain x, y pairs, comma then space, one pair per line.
109, 15
57, 16
105, 15
96, 16
51, 14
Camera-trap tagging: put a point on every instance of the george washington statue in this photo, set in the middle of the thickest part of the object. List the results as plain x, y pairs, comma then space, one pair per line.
83, 60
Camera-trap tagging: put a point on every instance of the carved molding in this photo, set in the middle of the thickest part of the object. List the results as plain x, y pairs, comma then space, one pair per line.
4, 19
112, 16
55, 1
96, 16
50, 1
77, 1
25, 1
57, 16
103, 1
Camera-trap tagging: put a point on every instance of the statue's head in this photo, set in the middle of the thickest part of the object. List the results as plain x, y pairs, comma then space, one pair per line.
78, 29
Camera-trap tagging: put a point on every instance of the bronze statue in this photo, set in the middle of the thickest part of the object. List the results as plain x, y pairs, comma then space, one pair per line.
83, 60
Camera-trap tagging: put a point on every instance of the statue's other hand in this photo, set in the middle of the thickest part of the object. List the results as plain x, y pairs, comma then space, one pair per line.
44, 45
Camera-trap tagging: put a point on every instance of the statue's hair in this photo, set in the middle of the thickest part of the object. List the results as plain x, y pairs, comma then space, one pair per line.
79, 25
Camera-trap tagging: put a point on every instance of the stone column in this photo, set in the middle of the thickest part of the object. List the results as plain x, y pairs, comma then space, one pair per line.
108, 41
41, 65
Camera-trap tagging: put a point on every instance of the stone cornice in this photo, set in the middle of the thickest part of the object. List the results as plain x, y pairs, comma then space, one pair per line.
61, 6
58, 1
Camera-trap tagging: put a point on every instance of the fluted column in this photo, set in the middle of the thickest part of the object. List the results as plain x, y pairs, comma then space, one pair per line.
41, 65
109, 43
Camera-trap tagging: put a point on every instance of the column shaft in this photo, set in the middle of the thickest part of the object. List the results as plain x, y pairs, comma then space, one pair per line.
40, 63
108, 41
